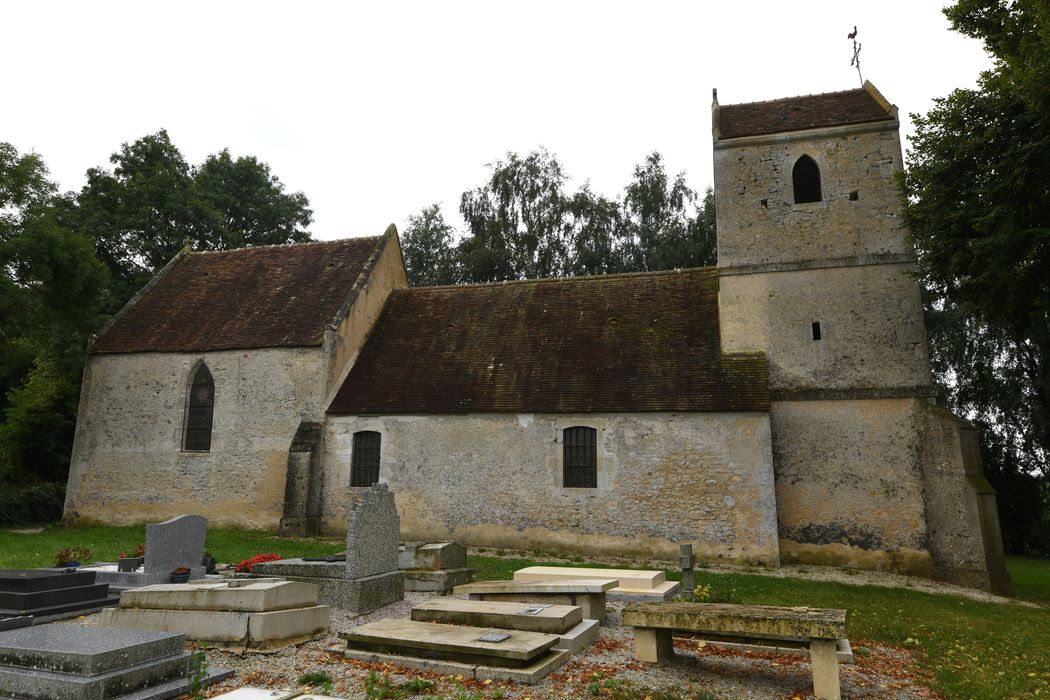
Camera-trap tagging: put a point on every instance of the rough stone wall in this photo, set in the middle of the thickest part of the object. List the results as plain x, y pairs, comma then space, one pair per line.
759, 222
344, 343
495, 480
128, 465
960, 505
872, 331
849, 483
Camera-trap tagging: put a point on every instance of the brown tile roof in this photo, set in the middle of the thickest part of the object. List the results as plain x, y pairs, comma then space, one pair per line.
797, 113
639, 342
263, 297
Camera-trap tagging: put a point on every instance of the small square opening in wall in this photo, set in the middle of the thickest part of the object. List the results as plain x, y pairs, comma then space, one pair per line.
854, 196
817, 330
764, 202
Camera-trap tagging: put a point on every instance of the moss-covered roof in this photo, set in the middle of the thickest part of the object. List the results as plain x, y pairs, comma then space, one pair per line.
638, 342
262, 297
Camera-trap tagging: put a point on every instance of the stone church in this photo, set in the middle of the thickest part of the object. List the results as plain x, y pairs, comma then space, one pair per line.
776, 408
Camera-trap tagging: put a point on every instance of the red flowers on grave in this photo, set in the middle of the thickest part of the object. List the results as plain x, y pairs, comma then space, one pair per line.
245, 567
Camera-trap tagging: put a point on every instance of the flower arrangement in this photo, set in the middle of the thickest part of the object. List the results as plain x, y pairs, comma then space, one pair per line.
245, 567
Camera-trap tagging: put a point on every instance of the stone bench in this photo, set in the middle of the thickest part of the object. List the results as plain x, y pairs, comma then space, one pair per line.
589, 594
821, 628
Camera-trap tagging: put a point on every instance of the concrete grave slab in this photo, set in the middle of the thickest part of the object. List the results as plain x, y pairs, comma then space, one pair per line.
532, 673
240, 613
627, 578
579, 637
258, 694
589, 594
549, 619
432, 555
449, 642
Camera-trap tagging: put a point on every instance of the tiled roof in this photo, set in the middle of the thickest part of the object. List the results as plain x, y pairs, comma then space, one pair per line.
798, 113
263, 297
638, 342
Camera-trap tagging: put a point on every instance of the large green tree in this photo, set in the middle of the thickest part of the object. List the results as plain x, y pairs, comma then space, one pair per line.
52, 291
153, 202
523, 222
977, 202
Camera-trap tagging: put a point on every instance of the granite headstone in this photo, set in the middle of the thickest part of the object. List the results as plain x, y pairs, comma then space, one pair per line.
373, 532
174, 543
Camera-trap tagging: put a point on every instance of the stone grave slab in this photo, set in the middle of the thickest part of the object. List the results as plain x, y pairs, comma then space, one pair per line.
532, 673
434, 566
259, 694
240, 613
589, 594
632, 585
71, 662
449, 642
549, 619
171, 544
51, 594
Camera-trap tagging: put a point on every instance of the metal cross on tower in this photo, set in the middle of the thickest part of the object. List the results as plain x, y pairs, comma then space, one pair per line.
856, 53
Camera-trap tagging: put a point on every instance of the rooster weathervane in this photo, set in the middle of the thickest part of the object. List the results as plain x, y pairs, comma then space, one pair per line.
856, 53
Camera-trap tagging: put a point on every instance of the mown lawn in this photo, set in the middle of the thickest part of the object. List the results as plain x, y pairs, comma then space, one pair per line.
972, 649
106, 543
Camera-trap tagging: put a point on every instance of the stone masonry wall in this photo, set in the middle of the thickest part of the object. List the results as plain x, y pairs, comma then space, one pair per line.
872, 330
495, 480
849, 483
759, 223
128, 465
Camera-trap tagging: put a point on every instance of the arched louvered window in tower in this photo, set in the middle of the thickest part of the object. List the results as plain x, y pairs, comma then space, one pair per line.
199, 411
580, 457
364, 463
805, 177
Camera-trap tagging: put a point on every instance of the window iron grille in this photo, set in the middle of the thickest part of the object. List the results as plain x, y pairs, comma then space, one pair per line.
364, 464
580, 457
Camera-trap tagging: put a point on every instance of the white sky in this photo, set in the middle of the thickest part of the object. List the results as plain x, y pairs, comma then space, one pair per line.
377, 110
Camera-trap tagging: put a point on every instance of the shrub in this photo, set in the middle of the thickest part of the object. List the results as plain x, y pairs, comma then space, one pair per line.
28, 505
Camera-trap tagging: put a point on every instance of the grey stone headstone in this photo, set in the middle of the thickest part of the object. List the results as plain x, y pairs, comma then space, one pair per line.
174, 543
372, 533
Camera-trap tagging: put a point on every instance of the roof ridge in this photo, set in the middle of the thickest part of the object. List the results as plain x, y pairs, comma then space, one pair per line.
792, 97
299, 244
568, 278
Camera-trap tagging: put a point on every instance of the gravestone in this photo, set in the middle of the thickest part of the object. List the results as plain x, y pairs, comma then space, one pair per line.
369, 578
171, 544
434, 566
72, 662
50, 594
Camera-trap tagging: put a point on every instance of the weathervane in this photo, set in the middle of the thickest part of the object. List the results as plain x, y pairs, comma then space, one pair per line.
856, 53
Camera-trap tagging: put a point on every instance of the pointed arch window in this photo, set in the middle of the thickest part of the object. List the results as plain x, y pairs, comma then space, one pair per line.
805, 177
199, 411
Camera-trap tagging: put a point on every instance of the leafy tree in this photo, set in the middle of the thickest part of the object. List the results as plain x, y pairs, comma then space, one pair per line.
661, 216
978, 204
516, 222
51, 295
429, 249
153, 202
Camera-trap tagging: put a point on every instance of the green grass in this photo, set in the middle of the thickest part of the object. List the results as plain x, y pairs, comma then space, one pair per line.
972, 649
19, 551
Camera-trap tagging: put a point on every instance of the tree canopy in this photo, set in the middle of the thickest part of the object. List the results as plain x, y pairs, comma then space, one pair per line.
152, 203
524, 222
69, 261
977, 200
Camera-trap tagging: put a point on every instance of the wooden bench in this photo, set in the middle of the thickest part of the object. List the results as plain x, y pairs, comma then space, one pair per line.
654, 624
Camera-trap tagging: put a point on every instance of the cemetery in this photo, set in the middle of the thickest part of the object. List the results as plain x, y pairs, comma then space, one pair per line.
583, 629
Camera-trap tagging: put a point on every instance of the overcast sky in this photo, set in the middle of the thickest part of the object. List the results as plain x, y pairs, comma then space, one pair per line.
377, 110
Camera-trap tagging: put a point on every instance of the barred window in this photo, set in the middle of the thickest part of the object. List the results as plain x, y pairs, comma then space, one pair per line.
580, 457
364, 464
805, 177
199, 411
